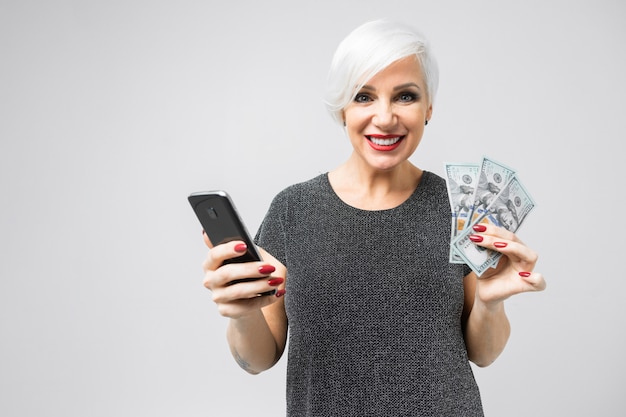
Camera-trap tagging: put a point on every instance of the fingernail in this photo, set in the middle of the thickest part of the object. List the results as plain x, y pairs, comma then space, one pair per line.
273, 282
266, 269
524, 274
280, 293
500, 244
475, 238
479, 227
241, 247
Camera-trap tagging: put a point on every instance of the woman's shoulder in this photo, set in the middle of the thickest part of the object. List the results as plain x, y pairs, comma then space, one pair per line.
314, 185
433, 178
303, 191
432, 182
432, 191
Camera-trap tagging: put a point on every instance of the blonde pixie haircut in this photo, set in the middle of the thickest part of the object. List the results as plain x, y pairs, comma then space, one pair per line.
369, 49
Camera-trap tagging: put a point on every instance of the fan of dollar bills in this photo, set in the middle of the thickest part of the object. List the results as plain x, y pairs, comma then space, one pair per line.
490, 193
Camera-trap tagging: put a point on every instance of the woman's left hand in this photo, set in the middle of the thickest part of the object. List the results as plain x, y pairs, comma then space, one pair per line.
515, 271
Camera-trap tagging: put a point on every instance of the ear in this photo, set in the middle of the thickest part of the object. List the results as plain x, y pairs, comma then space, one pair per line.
429, 112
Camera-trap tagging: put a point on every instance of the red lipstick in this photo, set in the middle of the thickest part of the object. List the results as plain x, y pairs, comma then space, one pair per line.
384, 143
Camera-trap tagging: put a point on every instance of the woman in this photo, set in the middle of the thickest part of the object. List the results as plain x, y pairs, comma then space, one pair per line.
380, 323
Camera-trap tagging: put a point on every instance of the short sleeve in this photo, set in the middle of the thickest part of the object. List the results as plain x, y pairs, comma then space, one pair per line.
271, 235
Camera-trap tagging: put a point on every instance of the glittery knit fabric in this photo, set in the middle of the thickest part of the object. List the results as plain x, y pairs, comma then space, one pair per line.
373, 305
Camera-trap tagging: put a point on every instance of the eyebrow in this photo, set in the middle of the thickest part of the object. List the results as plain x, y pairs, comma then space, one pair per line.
396, 88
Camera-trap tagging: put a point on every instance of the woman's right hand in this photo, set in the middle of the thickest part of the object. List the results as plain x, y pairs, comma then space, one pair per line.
243, 298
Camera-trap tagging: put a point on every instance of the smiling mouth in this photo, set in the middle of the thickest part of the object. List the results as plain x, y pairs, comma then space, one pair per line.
386, 140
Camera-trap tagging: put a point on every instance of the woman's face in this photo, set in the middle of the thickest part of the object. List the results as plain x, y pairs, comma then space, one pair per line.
385, 121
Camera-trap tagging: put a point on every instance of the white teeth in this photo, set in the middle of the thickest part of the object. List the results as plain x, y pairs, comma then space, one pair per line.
384, 142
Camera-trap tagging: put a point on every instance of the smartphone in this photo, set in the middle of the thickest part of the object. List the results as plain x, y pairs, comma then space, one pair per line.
221, 222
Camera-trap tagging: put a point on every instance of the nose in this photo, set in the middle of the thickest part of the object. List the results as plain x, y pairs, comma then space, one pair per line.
384, 116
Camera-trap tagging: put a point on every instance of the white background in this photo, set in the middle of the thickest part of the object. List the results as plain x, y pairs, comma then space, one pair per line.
112, 112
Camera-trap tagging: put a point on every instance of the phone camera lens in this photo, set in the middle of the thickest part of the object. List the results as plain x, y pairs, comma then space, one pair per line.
212, 213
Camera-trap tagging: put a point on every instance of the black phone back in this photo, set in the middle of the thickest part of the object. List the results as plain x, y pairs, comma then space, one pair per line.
219, 218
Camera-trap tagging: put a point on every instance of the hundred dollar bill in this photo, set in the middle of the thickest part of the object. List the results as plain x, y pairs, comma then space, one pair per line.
508, 210
493, 176
461, 181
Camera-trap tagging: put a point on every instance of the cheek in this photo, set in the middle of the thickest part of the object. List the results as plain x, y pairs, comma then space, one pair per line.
355, 135
414, 124
356, 120
413, 114
354, 113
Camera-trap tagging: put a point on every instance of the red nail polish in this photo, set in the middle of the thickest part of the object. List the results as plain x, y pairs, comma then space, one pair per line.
241, 247
266, 269
274, 282
280, 293
524, 274
475, 238
479, 227
500, 244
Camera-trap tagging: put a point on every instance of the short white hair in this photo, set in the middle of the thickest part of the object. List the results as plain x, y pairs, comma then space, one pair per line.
369, 49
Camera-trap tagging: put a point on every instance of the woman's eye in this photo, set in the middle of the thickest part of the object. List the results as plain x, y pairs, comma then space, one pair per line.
362, 98
407, 97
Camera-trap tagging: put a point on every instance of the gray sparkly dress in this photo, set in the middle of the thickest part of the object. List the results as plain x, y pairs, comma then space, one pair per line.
374, 306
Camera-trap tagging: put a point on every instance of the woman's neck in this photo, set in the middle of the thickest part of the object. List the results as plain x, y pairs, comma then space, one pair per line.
369, 189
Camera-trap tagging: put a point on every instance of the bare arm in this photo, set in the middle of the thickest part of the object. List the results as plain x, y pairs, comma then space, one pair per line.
486, 326
257, 331
258, 341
